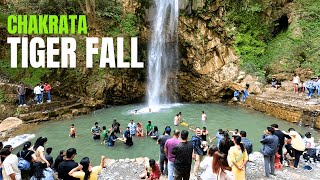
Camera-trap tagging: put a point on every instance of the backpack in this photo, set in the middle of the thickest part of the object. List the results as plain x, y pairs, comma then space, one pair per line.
23, 164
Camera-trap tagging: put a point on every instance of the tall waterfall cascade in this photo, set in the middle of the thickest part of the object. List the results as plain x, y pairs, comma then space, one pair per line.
162, 51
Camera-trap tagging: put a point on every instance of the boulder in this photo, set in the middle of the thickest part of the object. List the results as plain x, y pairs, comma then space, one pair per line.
10, 123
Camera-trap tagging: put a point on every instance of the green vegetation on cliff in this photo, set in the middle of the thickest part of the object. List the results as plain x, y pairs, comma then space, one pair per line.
105, 19
275, 36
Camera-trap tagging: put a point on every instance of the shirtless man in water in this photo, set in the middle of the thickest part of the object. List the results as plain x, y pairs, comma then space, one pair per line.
176, 120
73, 131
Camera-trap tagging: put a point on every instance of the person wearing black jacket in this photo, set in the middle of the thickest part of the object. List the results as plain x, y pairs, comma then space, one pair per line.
67, 165
281, 136
26, 154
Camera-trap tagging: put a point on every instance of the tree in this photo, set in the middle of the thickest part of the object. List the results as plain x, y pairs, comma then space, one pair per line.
89, 9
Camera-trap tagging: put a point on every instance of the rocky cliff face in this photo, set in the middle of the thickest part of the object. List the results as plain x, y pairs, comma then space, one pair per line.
209, 66
208, 60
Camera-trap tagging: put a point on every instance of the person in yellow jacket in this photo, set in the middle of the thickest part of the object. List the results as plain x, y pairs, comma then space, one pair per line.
297, 144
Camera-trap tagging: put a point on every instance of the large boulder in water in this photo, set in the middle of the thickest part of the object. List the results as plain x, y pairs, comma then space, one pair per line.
10, 123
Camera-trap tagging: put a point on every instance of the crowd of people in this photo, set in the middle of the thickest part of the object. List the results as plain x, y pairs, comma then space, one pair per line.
312, 85
225, 160
41, 91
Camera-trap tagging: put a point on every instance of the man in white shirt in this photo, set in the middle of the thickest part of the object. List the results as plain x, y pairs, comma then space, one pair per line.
132, 127
296, 81
203, 116
10, 170
38, 93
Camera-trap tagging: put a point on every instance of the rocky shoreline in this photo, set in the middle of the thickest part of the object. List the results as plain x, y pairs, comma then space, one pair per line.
132, 168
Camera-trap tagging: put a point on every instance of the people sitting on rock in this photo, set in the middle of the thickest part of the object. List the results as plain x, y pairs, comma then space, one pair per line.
236, 95
278, 85
85, 170
273, 81
152, 171
309, 141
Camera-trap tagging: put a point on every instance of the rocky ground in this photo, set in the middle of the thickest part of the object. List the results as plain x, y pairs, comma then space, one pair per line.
132, 168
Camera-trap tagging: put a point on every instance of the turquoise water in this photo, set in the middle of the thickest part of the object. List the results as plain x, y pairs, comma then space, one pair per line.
219, 116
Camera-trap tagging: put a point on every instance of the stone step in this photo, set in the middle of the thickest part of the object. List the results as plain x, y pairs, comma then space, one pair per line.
50, 113
46, 106
38, 120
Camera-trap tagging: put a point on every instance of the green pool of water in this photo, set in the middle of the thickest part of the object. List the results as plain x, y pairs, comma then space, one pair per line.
219, 116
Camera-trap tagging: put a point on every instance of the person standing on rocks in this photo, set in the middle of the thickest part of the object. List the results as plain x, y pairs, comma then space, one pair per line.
163, 158
47, 90
225, 143
67, 165
169, 145
198, 152
59, 159
297, 145
281, 136
237, 159
207, 165
269, 147
38, 91
22, 94
218, 136
183, 157
10, 165
246, 142
26, 154
296, 81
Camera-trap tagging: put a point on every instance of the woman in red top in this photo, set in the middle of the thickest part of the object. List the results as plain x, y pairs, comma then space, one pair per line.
47, 89
152, 171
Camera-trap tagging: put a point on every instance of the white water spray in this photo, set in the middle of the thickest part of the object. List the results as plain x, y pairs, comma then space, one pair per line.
163, 50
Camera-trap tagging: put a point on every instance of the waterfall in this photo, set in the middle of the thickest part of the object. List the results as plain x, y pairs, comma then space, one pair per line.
162, 51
